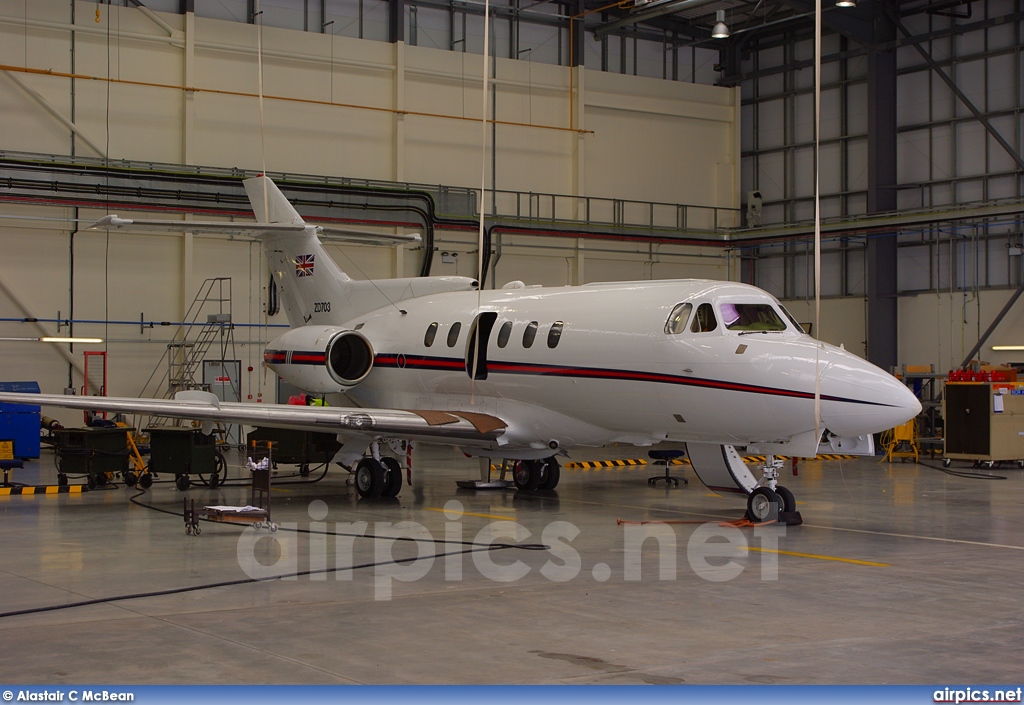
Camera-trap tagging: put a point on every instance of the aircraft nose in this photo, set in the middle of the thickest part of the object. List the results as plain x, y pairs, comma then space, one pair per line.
859, 398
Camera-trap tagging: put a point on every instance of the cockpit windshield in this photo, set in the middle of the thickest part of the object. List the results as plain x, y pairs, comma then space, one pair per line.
760, 317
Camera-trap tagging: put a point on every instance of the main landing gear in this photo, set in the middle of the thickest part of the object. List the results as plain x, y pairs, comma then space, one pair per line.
770, 501
537, 474
378, 478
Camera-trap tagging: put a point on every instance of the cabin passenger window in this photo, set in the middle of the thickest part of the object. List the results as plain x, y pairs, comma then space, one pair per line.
754, 318
453, 334
555, 334
704, 320
428, 339
504, 333
676, 322
530, 334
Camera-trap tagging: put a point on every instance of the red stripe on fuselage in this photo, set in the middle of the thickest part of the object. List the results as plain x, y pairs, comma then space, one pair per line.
424, 362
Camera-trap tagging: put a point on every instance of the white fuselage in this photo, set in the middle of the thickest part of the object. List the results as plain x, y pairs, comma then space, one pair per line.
615, 373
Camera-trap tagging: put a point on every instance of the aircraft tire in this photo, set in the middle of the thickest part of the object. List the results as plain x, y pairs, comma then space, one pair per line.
788, 501
369, 478
393, 481
527, 474
550, 475
763, 505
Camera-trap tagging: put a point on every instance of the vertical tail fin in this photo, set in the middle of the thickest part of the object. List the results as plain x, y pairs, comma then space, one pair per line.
269, 204
312, 288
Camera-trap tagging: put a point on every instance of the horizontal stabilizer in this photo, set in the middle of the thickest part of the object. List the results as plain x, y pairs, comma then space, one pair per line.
115, 222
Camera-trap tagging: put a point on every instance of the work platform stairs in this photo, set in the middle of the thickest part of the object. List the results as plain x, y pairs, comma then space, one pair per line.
206, 325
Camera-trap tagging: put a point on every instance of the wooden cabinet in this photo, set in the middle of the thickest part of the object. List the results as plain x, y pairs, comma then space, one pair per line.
984, 420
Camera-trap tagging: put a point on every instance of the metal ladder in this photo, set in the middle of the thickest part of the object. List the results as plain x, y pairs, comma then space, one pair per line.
192, 341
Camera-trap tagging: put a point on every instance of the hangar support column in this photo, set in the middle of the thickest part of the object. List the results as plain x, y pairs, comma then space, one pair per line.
882, 328
576, 42
396, 21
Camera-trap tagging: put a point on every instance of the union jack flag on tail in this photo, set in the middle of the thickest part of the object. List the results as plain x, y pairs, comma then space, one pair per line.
304, 265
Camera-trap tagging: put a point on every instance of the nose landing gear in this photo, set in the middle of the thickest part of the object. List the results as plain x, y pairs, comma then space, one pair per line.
770, 501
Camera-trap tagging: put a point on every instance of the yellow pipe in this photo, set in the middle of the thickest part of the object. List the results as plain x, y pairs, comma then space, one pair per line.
147, 84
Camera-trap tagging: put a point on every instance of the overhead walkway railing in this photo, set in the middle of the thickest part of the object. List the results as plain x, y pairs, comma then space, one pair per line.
103, 183
97, 182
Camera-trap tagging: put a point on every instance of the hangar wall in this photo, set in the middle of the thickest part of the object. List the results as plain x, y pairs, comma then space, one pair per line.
407, 127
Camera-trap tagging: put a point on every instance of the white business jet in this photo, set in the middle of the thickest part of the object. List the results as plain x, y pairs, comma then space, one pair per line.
527, 373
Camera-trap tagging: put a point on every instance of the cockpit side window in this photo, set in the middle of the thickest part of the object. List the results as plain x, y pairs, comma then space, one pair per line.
792, 320
759, 317
704, 320
677, 320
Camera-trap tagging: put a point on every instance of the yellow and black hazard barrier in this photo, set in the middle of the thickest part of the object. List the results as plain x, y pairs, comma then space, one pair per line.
598, 464
42, 489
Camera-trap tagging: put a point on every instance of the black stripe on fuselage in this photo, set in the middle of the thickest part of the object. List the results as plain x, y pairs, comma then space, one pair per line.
424, 362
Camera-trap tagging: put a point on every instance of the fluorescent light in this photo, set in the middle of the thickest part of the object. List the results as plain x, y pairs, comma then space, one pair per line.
721, 31
1008, 347
846, 3
70, 340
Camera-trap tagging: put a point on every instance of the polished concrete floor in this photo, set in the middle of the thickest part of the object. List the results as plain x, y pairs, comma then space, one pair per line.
900, 574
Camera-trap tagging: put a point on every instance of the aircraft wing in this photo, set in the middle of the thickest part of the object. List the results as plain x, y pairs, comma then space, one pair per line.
462, 428
114, 222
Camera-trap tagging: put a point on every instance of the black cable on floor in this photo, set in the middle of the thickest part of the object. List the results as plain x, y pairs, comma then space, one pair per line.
471, 547
520, 546
244, 581
962, 473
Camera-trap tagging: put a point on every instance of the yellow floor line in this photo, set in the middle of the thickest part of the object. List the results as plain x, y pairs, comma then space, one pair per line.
473, 514
854, 561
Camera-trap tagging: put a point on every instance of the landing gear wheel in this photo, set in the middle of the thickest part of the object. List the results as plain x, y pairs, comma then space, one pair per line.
182, 482
146, 480
527, 474
763, 505
550, 475
788, 501
369, 478
62, 479
129, 478
393, 480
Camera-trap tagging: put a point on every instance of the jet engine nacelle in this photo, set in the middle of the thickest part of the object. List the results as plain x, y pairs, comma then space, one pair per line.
321, 359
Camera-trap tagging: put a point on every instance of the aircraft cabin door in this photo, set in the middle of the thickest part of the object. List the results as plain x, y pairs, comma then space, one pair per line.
479, 335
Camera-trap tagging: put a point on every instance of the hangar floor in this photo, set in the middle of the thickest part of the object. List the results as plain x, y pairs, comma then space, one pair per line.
901, 574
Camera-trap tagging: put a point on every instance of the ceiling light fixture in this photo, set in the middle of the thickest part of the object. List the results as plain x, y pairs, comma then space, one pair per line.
1008, 347
721, 30
846, 3
49, 339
